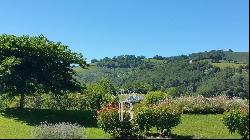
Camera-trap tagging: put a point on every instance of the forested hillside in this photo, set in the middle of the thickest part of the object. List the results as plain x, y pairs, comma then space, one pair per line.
210, 73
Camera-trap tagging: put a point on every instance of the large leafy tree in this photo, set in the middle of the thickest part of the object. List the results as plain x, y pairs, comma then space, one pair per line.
36, 64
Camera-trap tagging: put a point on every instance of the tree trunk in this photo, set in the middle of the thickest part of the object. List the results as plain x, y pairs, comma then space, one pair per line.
21, 101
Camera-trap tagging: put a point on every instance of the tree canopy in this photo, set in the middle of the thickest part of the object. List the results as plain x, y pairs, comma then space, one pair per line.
36, 64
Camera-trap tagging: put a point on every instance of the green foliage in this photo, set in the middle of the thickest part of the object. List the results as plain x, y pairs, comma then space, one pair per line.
228, 82
5, 101
2, 103
237, 120
215, 55
122, 61
154, 97
69, 101
176, 73
59, 131
100, 93
109, 121
173, 91
6, 66
241, 57
162, 117
31, 64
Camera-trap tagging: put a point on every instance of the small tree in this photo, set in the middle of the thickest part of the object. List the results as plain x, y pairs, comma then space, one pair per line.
100, 93
35, 64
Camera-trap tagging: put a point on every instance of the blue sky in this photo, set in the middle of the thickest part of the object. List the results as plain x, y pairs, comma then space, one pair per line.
99, 28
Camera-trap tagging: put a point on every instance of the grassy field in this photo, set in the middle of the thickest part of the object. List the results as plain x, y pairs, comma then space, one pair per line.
14, 124
226, 64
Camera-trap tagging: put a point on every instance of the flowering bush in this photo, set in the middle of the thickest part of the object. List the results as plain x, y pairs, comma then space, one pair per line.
110, 106
203, 105
108, 120
59, 131
162, 117
237, 120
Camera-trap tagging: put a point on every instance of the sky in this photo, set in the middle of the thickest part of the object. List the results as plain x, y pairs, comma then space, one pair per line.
100, 28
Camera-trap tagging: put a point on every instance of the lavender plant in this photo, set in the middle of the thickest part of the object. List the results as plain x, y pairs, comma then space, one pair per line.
62, 130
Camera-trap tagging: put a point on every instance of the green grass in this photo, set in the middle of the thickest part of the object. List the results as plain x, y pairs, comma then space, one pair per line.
14, 124
96, 133
33, 117
226, 64
79, 69
204, 126
14, 129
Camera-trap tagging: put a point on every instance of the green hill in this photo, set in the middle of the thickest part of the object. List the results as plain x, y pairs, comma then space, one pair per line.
210, 73
240, 57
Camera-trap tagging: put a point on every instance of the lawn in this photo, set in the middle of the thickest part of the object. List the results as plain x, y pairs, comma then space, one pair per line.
16, 125
14, 129
204, 126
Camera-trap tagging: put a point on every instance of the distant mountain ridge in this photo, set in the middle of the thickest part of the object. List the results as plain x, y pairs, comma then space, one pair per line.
131, 61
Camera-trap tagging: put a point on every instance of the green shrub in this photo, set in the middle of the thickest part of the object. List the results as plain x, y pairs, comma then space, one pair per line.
162, 117
69, 101
154, 97
59, 131
100, 94
237, 120
109, 121
2, 103
75, 102
173, 91
5, 100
